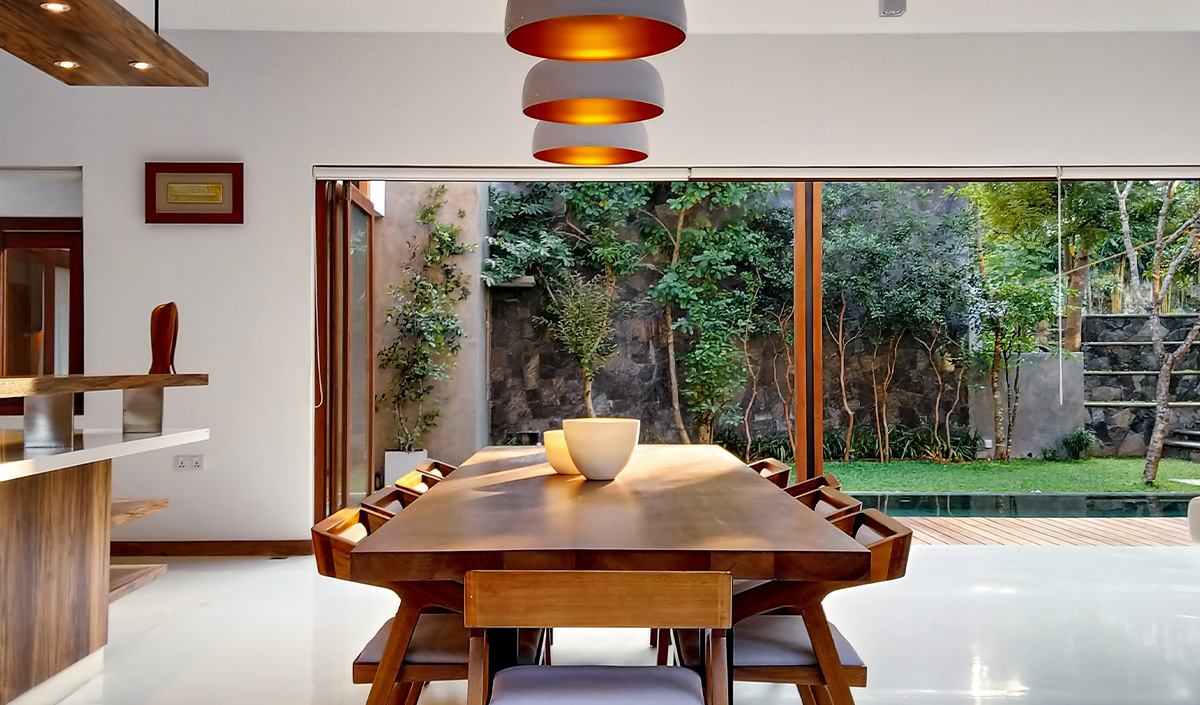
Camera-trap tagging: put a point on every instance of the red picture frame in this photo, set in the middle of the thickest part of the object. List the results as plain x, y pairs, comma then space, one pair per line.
228, 174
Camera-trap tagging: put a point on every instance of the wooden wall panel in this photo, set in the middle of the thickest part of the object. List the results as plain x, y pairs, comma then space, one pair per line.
54, 533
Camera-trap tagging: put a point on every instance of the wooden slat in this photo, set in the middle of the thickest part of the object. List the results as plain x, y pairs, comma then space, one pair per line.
102, 36
1010, 531
124, 579
597, 598
12, 387
127, 510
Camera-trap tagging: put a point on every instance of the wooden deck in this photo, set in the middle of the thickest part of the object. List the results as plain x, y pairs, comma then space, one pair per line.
983, 531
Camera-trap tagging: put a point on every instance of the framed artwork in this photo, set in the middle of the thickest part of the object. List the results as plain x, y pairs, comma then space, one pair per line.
187, 192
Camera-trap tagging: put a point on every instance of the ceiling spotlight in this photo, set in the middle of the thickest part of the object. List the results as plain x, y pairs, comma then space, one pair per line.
892, 8
594, 145
141, 65
56, 7
595, 30
593, 93
67, 64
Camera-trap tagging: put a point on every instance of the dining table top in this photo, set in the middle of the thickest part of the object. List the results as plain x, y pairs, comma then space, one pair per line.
674, 507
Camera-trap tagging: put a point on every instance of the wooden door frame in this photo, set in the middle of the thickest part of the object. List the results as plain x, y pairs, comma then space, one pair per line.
808, 333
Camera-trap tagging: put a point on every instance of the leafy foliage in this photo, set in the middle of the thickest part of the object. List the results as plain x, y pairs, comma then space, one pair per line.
581, 316
427, 325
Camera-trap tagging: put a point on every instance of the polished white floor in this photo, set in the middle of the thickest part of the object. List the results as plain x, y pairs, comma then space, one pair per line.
969, 625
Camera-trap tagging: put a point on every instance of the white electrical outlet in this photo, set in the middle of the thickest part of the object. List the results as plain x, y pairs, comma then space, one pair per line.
189, 462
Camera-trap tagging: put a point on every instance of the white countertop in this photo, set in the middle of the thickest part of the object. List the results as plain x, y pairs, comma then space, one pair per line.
17, 461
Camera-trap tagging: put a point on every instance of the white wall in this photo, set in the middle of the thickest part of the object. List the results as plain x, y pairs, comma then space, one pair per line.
41, 193
282, 103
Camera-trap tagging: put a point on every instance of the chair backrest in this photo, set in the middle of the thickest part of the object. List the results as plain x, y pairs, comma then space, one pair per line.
812, 483
436, 468
830, 503
777, 471
383, 505
888, 540
595, 598
413, 485
334, 539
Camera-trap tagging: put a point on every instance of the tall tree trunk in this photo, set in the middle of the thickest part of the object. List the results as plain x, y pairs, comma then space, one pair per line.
891, 356
1014, 401
999, 433
587, 397
1162, 421
752, 374
840, 340
1078, 282
875, 398
672, 367
706, 429
950, 413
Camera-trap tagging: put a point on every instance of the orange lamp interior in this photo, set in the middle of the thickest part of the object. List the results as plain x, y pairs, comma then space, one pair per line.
593, 111
590, 156
596, 38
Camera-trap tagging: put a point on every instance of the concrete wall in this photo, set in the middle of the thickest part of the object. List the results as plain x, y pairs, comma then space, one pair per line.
285, 102
1042, 419
462, 399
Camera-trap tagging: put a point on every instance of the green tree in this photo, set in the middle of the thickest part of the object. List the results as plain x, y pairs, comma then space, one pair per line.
581, 315
1173, 243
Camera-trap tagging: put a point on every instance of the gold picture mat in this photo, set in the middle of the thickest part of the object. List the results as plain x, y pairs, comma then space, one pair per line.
194, 193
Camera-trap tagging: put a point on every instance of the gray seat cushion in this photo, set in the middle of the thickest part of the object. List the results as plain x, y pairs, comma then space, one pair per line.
782, 640
442, 639
597, 685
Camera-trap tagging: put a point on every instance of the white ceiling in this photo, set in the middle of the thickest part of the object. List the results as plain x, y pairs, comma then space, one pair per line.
705, 16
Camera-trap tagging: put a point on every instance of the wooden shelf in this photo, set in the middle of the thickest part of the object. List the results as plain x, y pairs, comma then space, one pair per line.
124, 579
12, 387
17, 461
127, 510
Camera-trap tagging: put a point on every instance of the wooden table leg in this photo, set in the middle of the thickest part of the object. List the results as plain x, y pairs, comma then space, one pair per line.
393, 654
827, 655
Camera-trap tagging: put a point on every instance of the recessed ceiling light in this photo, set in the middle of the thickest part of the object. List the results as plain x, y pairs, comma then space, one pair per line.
67, 64
56, 7
892, 8
141, 65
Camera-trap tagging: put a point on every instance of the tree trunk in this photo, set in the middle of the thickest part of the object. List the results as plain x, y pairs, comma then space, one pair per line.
752, 374
1014, 401
1078, 282
587, 397
999, 431
875, 398
706, 429
1162, 421
673, 372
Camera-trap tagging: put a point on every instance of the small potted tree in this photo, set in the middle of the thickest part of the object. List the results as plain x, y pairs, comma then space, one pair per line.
581, 315
428, 335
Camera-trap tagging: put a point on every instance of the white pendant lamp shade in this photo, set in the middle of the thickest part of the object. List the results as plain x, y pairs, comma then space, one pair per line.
591, 145
593, 94
595, 30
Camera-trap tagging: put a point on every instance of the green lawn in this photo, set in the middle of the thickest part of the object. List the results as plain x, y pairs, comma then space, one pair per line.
1091, 475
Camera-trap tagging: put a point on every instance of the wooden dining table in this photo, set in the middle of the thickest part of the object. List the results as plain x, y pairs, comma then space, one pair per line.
673, 508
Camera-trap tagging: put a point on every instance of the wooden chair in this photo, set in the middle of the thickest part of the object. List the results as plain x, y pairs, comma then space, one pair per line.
830, 503
436, 468
814, 483
771, 645
509, 599
777, 471
438, 647
413, 485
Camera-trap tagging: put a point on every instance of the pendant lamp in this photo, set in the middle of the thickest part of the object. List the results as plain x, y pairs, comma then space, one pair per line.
595, 30
593, 93
590, 145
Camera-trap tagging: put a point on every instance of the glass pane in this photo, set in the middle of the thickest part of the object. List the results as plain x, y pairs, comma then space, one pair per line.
36, 290
360, 365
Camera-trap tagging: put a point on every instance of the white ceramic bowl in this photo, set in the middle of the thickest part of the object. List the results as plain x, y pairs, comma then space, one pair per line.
557, 454
601, 448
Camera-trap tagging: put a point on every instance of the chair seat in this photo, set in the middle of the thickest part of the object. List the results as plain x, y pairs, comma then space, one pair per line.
782, 640
437, 640
597, 685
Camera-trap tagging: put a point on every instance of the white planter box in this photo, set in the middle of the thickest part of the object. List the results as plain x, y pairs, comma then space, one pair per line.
397, 464
1194, 518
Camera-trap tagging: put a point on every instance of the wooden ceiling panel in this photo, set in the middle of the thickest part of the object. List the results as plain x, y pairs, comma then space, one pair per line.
102, 37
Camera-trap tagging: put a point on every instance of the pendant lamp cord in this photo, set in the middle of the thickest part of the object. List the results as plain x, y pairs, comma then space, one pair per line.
156, 17
1061, 293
